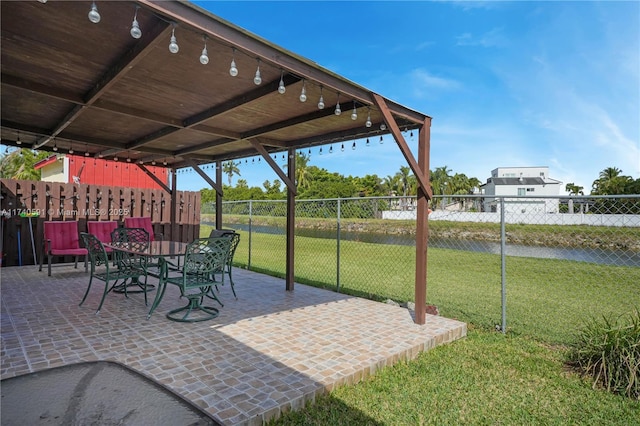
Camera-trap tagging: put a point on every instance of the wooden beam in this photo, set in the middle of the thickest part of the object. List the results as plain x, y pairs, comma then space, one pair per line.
203, 175
287, 181
162, 184
422, 226
423, 182
108, 79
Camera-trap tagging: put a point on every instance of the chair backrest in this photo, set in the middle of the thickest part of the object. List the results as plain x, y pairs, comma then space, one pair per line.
140, 222
138, 236
205, 256
102, 230
63, 235
97, 253
220, 232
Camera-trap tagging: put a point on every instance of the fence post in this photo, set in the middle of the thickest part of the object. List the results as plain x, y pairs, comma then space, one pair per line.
503, 278
250, 221
338, 249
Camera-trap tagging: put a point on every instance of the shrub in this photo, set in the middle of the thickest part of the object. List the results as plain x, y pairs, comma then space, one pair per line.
608, 350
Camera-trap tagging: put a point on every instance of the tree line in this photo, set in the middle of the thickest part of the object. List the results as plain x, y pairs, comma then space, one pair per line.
314, 182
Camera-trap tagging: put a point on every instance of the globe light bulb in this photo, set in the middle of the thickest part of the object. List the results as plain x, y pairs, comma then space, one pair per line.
233, 71
173, 44
337, 111
321, 103
257, 80
383, 126
94, 16
204, 58
281, 88
303, 94
354, 114
135, 30
368, 122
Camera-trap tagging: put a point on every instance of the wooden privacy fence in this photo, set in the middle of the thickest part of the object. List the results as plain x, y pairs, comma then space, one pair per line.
25, 206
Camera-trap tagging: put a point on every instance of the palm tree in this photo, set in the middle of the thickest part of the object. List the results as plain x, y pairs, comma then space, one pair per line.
302, 171
610, 182
230, 168
390, 184
439, 181
19, 164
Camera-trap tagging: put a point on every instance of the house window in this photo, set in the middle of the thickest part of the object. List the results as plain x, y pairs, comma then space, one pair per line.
530, 189
522, 192
542, 175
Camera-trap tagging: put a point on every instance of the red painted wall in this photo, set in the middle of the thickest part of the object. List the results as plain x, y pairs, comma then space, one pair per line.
97, 171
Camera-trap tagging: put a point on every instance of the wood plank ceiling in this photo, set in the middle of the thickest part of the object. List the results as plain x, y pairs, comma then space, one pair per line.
70, 84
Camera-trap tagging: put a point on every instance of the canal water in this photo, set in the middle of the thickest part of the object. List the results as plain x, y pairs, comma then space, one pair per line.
597, 255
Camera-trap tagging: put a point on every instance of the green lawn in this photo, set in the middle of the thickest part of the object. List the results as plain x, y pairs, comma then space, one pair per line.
487, 378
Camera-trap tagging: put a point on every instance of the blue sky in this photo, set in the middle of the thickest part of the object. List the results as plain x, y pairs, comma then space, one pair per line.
507, 83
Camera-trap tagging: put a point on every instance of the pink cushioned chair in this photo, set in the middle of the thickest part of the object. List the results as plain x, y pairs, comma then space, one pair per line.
102, 231
144, 223
62, 239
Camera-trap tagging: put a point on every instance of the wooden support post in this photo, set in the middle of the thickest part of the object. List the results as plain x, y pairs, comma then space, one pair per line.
422, 225
291, 219
219, 195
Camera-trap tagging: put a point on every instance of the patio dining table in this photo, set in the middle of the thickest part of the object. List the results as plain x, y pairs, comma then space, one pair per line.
168, 250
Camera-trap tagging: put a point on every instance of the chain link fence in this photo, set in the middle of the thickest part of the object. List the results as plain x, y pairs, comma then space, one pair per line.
487, 256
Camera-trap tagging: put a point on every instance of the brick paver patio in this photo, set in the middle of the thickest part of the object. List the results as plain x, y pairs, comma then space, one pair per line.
267, 352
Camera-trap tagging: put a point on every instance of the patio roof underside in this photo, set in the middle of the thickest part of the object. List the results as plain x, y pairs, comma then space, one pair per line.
71, 84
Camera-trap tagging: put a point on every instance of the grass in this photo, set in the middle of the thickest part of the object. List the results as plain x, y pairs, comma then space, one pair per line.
487, 378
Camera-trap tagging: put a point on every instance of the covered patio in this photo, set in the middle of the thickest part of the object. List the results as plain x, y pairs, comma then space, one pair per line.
169, 84
268, 352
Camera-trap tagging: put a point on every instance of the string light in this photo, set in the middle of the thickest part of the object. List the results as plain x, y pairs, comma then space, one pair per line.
233, 70
18, 141
94, 16
342, 147
55, 147
331, 149
354, 113
320, 150
321, 100
257, 80
135, 28
303, 92
204, 58
381, 139
353, 146
281, 88
368, 144
368, 122
338, 111
383, 126
173, 44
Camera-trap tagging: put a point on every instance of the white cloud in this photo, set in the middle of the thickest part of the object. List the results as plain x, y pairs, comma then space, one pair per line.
493, 38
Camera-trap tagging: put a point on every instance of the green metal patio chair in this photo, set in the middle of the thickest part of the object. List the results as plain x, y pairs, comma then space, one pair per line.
204, 257
234, 241
102, 269
138, 239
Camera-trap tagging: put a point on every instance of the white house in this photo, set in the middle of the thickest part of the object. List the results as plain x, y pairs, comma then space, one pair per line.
520, 183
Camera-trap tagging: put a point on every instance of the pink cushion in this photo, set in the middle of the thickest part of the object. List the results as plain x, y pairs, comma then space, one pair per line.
140, 222
102, 230
63, 237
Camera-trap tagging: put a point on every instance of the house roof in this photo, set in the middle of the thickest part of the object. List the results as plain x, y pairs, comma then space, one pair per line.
45, 162
71, 84
519, 181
